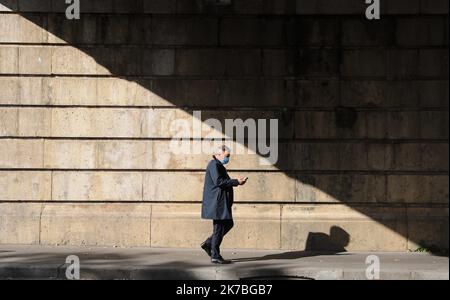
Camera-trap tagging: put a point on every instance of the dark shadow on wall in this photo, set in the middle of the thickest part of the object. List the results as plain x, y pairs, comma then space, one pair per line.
134, 61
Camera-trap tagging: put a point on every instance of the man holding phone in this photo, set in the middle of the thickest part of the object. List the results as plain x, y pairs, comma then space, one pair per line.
217, 202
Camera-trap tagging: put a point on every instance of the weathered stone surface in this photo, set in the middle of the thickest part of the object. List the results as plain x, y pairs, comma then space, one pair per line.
9, 59
217, 62
17, 153
63, 59
422, 31
364, 62
417, 189
420, 156
182, 31
340, 188
18, 29
84, 122
19, 223
25, 185
96, 186
9, 91
117, 224
35, 60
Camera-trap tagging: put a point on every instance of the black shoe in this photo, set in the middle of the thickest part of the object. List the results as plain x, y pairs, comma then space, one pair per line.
220, 261
207, 248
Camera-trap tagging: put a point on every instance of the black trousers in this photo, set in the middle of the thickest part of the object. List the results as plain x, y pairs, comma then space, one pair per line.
220, 229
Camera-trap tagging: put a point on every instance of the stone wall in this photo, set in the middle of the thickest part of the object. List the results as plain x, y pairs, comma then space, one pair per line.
85, 110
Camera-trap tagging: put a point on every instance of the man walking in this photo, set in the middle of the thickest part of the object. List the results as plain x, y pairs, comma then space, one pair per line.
217, 202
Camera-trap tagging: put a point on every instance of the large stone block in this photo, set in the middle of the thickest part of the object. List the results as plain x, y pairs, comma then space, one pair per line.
101, 122
64, 31
96, 224
256, 226
25, 185
368, 33
180, 92
35, 60
101, 154
69, 60
34, 122
217, 62
32, 91
340, 188
421, 156
18, 153
434, 7
327, 124
70, 154
96, 186
158, 62
251, 31
407, 7
422, 31
9, 59
341, 228
417, 188
19, 223
23, 29
160, 6
122, 29
433, 93
70, 91
380, 93
434, 124
343, 156
125, 154
9, 92
313, 93
184, 31
33, 6
115, 91
125, 61
252, 93
365, 62
433, 63
318, 62
428, 228
403, 124
312, 31
281, 62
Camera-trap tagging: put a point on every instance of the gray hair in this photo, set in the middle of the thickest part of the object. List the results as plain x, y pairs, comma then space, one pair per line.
221, 149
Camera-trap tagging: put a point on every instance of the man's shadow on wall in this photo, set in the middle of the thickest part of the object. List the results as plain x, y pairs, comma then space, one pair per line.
317, 243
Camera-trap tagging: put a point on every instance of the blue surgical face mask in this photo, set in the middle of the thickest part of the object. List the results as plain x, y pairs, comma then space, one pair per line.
225, 160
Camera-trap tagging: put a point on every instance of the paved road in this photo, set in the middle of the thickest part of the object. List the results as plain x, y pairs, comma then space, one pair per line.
38, 262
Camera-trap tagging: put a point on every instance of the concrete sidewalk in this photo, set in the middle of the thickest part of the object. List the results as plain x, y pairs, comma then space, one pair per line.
38, 262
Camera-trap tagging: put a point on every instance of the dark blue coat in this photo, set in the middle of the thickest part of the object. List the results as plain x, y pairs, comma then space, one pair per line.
217, 192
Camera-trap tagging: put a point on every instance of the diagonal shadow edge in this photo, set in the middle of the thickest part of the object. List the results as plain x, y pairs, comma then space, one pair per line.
365, 208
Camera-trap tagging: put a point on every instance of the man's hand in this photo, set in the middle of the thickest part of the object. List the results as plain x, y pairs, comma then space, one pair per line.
242, 180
